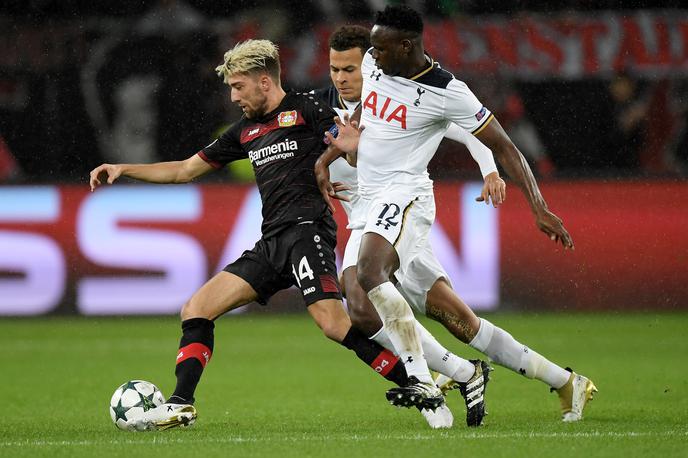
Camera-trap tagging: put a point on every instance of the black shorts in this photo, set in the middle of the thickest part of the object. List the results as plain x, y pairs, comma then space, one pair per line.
301, 255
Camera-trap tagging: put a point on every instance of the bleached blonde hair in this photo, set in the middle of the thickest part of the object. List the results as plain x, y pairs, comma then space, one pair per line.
251, 56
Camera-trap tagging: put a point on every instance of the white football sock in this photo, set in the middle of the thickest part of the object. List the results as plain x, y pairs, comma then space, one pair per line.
382, 338
438, 358
506, 351
399, 323
442, 360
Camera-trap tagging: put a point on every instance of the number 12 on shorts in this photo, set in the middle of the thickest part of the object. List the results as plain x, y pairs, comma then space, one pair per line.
305, 271
388, 220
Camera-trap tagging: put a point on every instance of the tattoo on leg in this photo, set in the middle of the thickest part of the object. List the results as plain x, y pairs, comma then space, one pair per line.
460, 328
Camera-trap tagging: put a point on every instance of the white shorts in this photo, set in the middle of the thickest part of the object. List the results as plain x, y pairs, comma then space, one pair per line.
422, 274
351, 250
404, 220
414, 285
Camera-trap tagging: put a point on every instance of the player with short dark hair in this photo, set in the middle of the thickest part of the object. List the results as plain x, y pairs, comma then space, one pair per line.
408, 102
282, 135
348, 37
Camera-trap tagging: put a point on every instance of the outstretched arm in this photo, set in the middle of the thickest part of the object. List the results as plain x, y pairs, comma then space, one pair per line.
515, 165
159, 172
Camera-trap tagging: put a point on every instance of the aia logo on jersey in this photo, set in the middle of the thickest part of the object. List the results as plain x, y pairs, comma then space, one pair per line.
287, 118
382, 107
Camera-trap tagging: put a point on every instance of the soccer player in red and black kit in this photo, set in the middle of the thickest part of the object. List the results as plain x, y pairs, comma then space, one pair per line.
282, 135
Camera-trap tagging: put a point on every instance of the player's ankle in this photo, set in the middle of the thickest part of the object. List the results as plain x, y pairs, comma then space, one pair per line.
174, 399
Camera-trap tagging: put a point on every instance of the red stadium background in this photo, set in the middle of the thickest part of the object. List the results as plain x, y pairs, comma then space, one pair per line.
57, 244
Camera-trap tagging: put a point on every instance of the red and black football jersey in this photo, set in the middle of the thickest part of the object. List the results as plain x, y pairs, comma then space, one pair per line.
282, 146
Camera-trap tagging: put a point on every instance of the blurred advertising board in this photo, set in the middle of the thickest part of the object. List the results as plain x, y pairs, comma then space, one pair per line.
143, 249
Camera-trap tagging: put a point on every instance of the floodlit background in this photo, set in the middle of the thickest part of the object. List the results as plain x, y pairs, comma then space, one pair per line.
595, 97
595, 94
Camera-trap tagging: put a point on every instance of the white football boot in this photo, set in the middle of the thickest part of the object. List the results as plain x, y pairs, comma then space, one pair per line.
440, 418
163, 417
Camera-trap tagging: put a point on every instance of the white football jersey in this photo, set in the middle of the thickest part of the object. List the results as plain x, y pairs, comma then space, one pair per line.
341, 171
405, 119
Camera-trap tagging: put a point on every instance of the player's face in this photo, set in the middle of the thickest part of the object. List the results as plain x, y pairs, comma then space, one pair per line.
388, 50
248, 93
345, 72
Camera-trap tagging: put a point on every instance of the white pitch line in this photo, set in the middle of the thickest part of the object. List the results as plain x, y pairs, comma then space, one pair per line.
355, 437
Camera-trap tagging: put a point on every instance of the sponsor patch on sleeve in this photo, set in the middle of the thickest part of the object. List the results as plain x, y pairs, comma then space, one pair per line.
481, 114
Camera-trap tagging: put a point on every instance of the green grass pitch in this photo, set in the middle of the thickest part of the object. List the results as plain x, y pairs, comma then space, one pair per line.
277, 388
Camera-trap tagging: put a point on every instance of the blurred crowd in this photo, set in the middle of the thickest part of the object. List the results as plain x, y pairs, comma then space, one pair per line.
133, 81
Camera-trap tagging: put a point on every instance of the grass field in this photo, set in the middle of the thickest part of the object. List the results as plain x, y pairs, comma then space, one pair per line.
276, 387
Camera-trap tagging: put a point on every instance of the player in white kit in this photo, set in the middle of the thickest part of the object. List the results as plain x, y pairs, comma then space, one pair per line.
407, 104
427, 289
347, 45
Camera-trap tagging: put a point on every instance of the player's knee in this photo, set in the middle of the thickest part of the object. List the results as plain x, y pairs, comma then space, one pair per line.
331, 319
187, 311
369, 274
334, 329
193, 309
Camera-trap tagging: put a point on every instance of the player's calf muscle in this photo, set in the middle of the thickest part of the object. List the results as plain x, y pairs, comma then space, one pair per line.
445, 306
460, 328
364, 317
331, 318
361, 310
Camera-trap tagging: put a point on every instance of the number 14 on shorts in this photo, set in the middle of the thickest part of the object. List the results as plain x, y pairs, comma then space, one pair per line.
304, 271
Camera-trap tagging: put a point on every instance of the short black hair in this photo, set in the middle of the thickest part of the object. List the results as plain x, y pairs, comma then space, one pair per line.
350, 36
400, 18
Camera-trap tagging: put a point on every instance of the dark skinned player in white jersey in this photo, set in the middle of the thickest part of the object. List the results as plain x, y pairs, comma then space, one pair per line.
398, 50
347, 45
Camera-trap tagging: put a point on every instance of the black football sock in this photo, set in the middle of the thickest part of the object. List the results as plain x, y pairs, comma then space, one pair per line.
381, 360
195, 350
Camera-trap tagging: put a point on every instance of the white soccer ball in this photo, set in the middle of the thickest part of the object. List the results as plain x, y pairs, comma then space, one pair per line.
132, 399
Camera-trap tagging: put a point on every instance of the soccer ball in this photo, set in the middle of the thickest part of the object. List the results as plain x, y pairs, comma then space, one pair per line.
132, 399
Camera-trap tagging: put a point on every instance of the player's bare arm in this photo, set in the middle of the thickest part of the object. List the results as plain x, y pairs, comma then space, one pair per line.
515, 165
328, 189
159, 172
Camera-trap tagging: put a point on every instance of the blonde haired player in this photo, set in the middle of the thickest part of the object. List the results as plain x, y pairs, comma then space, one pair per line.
281, 134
